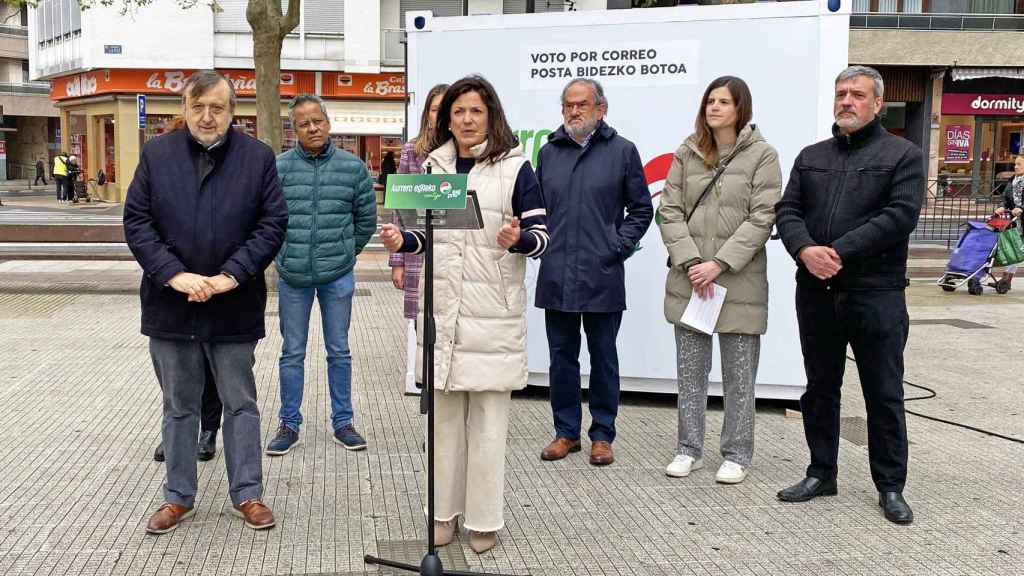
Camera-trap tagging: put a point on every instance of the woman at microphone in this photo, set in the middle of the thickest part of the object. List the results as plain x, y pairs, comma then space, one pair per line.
479, 308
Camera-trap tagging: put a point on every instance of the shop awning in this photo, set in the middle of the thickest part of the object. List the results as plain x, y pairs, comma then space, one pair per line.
972, 73
366, 118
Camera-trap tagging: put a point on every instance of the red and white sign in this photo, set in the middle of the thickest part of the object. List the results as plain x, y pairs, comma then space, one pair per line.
162, 82
389, 86
983, 104
958, 144
3, 149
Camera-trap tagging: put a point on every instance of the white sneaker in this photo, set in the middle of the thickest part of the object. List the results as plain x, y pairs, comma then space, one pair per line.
682, 465
730, 473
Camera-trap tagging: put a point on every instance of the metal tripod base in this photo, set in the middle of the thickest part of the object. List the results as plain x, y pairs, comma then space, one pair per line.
429, 566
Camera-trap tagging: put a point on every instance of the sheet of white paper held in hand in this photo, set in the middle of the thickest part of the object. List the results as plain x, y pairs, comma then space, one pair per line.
701, 314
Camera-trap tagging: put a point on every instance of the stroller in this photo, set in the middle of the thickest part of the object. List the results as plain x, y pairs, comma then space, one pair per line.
82, 186
974, 256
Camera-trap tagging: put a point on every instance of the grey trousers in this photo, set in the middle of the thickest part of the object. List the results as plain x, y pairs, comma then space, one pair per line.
181, 370
740, 356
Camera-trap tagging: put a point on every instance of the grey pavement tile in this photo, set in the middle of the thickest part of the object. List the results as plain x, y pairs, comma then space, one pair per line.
82, 413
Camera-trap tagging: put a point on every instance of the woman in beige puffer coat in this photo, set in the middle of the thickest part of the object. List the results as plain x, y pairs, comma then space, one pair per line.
720, 239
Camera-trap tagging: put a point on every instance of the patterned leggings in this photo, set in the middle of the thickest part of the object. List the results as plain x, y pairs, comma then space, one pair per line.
740, 355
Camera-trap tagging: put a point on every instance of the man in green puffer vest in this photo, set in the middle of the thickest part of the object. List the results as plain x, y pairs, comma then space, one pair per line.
332, 213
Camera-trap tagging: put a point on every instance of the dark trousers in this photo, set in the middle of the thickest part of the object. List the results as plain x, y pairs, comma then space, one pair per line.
62, 185
212, 408
563, 331
40, 176
180, 367
875, 325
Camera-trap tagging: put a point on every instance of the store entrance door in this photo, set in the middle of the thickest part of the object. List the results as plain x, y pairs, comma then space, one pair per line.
998, 140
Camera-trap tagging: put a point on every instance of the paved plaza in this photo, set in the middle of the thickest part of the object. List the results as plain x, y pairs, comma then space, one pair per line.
82, 410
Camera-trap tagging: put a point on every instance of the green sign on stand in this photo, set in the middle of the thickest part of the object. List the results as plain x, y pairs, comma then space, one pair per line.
426, 191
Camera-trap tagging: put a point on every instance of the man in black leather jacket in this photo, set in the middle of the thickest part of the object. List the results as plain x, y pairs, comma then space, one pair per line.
846, 217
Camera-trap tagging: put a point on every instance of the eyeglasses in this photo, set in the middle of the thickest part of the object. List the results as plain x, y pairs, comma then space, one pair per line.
572, 106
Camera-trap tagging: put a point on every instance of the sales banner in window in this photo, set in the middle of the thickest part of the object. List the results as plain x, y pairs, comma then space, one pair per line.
958, 143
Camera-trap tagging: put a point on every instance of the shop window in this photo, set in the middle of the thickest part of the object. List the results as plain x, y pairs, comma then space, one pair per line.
157, 124
109, 152
289, 139
894, 117
349, 143
77, 138
246, 124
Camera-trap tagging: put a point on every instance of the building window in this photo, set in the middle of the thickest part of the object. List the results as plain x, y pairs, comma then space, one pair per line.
25, 77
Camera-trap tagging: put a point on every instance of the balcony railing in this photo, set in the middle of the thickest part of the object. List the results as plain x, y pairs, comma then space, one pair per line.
955, 22
392, 46
14, 30
26, 88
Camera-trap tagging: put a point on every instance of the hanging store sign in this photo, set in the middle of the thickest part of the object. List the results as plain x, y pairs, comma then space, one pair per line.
983, 104
166, 82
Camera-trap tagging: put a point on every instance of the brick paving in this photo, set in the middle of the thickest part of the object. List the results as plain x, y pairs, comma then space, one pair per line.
81, 418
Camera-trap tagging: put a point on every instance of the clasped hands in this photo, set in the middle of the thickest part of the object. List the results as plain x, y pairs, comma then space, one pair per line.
201, 288
702, 277
823, 262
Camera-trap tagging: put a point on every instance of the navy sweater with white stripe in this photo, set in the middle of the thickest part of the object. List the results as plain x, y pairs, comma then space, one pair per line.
527, 206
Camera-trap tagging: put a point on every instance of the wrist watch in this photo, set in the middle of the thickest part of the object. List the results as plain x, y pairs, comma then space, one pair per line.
231, 277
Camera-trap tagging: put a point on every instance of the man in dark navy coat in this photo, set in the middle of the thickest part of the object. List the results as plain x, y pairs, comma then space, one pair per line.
598, 208
205, 217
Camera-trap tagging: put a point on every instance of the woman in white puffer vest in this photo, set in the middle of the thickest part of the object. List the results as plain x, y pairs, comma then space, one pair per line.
479, 308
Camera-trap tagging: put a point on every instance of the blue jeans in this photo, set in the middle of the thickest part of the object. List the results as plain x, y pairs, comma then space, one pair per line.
294, 306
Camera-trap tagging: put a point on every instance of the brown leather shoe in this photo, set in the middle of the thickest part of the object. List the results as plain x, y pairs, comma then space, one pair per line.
167, 517
559, 448
601, 453
257, 515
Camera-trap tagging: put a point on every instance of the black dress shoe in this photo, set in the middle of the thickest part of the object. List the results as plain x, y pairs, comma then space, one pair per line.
207, 445
158, 454
895, 508
808, 489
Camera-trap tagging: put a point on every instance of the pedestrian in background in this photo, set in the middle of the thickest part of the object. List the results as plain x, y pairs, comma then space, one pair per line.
40, 172
405, 268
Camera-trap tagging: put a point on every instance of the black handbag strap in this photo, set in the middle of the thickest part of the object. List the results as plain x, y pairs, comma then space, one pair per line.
708, 188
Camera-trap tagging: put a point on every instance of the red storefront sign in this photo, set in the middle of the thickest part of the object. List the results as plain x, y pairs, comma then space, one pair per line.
368, 86
165, 82
983, 104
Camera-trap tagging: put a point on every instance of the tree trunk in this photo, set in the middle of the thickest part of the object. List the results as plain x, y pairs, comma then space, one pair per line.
267, 58
269, 28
